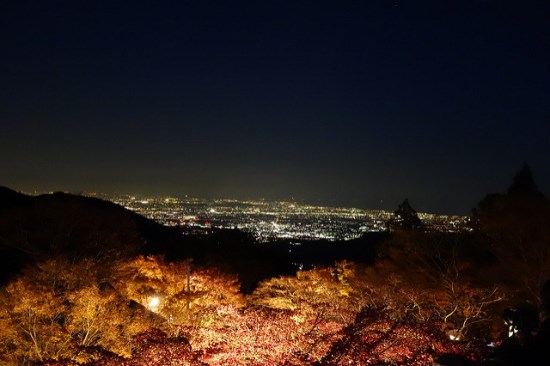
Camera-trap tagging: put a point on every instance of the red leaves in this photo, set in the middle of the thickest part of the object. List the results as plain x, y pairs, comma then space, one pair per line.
375, 339
318, 317
154, 348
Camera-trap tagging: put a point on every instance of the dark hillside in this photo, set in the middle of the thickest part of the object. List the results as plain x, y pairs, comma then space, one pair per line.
10, 198
60, 224
34, 228
77, 227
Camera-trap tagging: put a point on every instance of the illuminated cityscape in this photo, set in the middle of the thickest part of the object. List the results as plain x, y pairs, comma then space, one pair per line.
298, 183
272, 220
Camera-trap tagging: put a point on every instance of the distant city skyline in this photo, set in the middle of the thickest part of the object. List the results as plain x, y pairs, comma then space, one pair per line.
273, 220
380, 205
119, 197
353, 104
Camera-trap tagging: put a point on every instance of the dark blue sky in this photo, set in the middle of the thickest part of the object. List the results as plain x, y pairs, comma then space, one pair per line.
358, 103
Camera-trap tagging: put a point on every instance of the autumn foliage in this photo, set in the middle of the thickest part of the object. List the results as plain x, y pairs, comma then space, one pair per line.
66, 313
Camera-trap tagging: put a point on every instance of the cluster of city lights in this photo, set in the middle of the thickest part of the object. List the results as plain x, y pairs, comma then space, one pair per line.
272, 220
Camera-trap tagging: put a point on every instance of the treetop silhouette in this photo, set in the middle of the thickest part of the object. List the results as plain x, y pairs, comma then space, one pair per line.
524, 184
405, 217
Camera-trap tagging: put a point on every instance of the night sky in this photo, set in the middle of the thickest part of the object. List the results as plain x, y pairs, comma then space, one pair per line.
355, 103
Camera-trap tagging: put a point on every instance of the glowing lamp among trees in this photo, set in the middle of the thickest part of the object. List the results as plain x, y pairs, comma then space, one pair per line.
455, 334
153, 303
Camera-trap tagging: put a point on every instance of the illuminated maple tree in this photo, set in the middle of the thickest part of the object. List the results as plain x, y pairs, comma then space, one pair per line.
66, 313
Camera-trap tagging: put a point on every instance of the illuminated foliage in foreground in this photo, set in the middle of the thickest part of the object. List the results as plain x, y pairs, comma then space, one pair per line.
257, 336
186, 295
93, 315
57, 307
375, 339
152, 347
33, 314
427, 277
323, 293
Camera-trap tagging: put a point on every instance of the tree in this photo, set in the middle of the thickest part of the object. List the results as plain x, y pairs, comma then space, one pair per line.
321, 292
514, 226
374, 338
434, 277
186, 295
154, 348
57, 308
405, 217
524, 184
33, 314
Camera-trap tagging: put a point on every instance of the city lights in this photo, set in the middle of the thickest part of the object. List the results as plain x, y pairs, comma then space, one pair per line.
274, 220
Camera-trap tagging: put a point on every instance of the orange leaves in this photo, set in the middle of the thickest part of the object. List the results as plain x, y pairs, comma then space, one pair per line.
183, 294
33, 312
322, 292
260, 336
68, 310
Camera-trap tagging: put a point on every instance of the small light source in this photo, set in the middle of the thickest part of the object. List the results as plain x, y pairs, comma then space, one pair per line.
154, 303
454, 335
